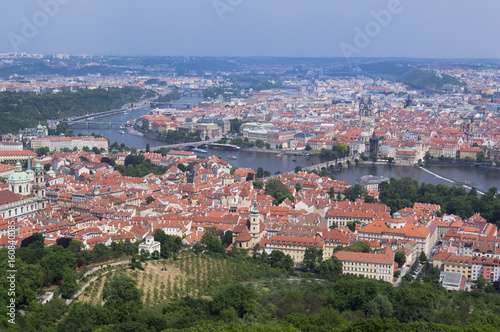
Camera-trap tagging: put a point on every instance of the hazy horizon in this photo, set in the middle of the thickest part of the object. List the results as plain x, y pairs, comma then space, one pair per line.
410, 29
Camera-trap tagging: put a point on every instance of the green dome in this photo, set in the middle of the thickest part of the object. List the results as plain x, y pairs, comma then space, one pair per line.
51, 172
38, 167
254, 210
19, 177
364, 134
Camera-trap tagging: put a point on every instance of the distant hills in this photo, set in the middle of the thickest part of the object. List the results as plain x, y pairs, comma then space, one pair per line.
415, 78
423, 79
26, 109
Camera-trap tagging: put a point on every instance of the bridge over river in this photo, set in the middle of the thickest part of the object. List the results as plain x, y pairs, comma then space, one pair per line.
332, 165
183, 145
329, 166
89, 124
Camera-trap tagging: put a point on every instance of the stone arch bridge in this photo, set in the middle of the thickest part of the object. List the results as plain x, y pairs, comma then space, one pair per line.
332, 165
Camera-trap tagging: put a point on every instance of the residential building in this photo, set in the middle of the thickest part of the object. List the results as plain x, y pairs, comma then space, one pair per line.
150, 245
369, 265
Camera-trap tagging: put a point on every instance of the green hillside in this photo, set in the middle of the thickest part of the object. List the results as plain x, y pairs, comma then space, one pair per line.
26, 109
423, 79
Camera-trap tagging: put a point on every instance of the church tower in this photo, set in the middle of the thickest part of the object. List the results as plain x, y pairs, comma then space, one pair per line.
254, 220
374, 143
192, 174
39, 187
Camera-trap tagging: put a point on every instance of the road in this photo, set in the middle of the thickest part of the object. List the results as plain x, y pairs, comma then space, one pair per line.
404, 271
82, 289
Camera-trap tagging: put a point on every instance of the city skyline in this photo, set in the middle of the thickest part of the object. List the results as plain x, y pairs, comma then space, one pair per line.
393, 28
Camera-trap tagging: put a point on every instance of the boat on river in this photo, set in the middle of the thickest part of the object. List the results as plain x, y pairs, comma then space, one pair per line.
196, 150
231, 156
132, 131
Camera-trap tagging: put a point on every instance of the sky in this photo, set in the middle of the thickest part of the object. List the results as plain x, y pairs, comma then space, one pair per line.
291, 28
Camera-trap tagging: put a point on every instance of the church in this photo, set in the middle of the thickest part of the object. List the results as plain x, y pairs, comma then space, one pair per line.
25, 195
249, 233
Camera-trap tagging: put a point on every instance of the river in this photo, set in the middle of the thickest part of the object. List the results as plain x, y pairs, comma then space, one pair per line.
481, 178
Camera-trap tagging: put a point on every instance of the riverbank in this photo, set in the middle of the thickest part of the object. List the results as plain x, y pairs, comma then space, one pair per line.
125, 108
455, 163
261, 150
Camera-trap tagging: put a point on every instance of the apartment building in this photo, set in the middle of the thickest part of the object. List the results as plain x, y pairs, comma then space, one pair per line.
295, 246
375, 266
58, 143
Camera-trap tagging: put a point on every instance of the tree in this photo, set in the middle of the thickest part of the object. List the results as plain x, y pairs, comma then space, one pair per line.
472, 192
250, 176
242, 298
147, 147
227, 239
341, 149
331, 193
280, 260
380, 306
37, 239
330, 269
355, 192
481, 282
42, 151
298, 186
122, 298
57, 260
212, 243
108, 161
75, 246
69, 286
258, 184
63, 241
490, 289
150, 199
312, 258
170, 245
278, 191
308, 147
359, 246
400, 258
352, 225
422, 257
260, 172
298, 169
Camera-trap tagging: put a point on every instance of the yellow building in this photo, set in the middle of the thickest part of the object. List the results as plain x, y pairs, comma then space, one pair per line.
295, 246
470, 152
375, 266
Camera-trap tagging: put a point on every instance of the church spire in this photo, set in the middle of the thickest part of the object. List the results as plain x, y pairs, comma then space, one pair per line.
255, 210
